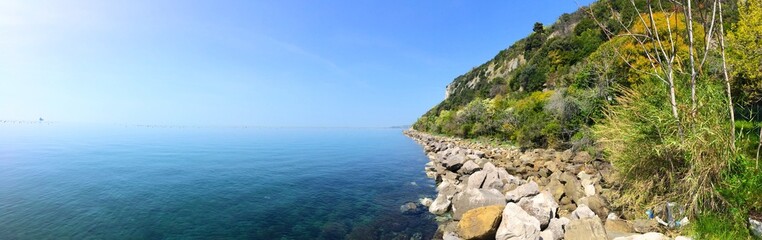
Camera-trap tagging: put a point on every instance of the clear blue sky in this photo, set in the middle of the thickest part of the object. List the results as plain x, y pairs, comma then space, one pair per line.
263, 63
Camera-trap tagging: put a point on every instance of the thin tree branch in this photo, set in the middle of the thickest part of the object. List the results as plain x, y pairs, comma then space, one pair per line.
727, 82
709, 35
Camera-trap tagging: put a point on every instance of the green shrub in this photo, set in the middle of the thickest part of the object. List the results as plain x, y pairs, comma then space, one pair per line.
657, 161
532, 120
720, 226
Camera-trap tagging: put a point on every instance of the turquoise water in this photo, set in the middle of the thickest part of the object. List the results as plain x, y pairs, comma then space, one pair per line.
124, 182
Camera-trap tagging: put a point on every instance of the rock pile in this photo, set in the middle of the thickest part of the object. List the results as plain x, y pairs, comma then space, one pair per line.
495, 193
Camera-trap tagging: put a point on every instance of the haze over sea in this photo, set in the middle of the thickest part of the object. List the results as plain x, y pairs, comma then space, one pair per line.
67, 181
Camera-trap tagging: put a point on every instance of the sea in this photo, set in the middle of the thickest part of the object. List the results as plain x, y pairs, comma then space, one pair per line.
81, 181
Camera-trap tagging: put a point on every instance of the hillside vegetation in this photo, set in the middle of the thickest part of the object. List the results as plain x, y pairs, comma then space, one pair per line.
669, 92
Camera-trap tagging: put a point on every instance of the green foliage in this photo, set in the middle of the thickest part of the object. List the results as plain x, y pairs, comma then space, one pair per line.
573, 87
657, 161
720, 226
745, 53
530, 78
740, 187
538, 28
533, 42
533, 129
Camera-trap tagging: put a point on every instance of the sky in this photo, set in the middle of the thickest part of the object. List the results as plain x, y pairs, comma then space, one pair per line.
284, 63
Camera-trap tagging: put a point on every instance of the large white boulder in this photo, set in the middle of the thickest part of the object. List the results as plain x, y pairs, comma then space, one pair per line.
528, 189
472, 198
583, 212
517, 224
541, 206
440, 205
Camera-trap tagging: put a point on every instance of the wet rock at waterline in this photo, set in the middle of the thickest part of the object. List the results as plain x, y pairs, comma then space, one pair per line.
411, 208
473, 198
440, 205
480, 223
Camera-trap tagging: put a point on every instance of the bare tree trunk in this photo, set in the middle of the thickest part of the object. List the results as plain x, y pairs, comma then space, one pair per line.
689, 14
727, 81
759, 146
672, 99
668, 62
708, 34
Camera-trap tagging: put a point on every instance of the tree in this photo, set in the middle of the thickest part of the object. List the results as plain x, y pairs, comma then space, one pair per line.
538, 28
746, 55
744, 52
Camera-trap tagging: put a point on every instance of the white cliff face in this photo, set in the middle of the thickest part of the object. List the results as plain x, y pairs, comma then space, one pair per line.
448, 90
494, 70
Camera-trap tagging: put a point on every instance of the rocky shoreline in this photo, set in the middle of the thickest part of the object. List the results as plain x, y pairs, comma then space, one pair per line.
486, 192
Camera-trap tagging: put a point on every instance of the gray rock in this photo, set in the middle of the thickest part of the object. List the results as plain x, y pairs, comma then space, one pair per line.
646, 236
589, 189
476, 179
468, 168
582, 157
618, 228
440, 205
450, 236
411, 208
509, 187
527, 157
567, 177
552, 166
448, 226
517, 225
596, 204
583, 212
439, 169
489, 167
426, 201
583, 176
548, 235
556, 188
525, 190
447, 188
450, 176
493, 181
585, 229
429, 166
756, 227
645, 225
541, 206
487, 178
567, 155
454, 162
573, 189
472, 198
557, 226
507, 178
478, 153
431, 174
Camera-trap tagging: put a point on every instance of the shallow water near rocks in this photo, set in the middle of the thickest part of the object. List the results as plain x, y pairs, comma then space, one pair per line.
126, 182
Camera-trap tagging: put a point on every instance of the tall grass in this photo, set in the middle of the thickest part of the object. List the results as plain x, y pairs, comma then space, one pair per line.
642, 140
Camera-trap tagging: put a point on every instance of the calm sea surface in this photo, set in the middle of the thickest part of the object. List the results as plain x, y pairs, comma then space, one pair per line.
63, 181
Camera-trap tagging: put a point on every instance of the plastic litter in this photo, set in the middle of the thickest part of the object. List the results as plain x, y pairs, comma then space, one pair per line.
671, 215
